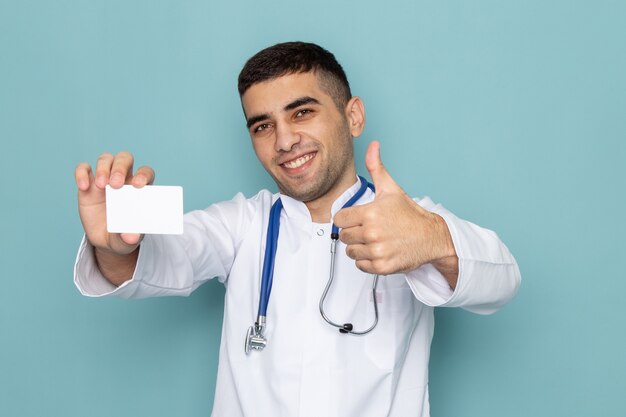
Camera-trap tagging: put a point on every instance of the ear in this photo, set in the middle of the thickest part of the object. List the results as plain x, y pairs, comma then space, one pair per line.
355, 114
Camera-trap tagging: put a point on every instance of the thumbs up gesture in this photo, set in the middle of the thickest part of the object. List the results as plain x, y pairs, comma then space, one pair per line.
393, 233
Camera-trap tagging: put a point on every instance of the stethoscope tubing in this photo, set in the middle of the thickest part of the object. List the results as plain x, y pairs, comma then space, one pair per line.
255, 338
346, 327
271, 244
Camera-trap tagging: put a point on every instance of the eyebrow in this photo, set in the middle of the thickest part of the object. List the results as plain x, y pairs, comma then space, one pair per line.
293, 105
254, 119
300, 102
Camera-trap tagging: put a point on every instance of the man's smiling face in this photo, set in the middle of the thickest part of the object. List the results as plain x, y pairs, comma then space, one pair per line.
300, 136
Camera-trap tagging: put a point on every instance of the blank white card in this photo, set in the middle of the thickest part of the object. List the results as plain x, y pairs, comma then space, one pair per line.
153, 209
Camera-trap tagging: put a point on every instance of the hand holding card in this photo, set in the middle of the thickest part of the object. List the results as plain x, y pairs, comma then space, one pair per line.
116, 253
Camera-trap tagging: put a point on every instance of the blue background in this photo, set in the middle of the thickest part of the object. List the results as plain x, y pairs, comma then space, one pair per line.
510, 113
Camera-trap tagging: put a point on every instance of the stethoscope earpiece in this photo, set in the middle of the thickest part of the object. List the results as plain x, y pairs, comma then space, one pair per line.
346, 328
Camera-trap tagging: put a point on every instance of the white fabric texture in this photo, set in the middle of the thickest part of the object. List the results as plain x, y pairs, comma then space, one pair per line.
384, 373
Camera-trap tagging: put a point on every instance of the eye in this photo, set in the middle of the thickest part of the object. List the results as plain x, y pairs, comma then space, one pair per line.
261, 127
303, 112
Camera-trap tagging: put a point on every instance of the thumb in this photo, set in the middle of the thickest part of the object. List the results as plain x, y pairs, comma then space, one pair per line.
381, 178
131, 238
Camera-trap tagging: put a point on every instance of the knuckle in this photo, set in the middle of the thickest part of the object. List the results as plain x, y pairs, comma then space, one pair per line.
377, 251
371, 215
371, 235
380, 266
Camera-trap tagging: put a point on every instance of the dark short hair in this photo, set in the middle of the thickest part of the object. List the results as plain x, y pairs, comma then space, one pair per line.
297, 57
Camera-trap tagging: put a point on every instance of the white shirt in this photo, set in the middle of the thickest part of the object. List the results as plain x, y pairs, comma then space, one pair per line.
308, 368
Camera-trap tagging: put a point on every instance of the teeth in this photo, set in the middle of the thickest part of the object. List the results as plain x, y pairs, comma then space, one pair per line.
298, 162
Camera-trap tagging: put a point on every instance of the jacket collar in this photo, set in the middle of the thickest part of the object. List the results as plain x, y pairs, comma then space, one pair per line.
296, 209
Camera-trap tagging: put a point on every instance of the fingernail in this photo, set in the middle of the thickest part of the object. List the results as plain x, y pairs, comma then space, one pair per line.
101, 181
140, 181
117, 179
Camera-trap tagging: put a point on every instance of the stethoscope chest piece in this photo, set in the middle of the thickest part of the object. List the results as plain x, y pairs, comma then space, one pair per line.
254, 338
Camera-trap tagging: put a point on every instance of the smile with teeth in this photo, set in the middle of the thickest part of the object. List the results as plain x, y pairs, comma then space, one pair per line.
299, 161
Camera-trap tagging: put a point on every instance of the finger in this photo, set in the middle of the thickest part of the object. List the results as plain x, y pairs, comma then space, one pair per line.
144, 176
352, 216
382, 180
377, 267
103, 169
362, 235
122, 169
131, 238
359, 252
83, 176
352, 235
365, 265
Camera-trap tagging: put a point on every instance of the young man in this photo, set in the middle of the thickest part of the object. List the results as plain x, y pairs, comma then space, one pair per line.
302, 120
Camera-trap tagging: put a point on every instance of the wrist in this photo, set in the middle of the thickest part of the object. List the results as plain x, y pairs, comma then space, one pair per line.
445, 258
117, 268
444, 246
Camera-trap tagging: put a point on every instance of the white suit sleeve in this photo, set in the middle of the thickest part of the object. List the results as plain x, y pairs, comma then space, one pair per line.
488, 274
175, 265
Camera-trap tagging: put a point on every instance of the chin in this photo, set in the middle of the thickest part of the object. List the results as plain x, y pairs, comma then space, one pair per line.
305, 194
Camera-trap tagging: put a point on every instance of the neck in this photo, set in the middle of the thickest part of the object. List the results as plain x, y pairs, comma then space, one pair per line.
320, 208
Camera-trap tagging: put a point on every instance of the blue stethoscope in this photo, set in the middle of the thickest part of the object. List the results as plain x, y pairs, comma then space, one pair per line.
255, 338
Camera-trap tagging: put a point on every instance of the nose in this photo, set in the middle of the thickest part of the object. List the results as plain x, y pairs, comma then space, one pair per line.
286, 137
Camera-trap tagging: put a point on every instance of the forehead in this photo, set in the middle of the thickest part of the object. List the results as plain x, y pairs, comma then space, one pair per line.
272, 95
